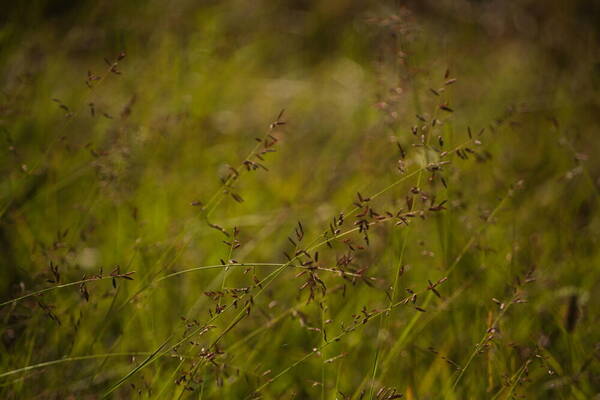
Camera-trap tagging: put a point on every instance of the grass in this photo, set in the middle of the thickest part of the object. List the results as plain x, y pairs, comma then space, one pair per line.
335, 200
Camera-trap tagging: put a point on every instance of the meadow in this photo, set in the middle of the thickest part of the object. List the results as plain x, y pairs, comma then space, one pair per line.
300, 200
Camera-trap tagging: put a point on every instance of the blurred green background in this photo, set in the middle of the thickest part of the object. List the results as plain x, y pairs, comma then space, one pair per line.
100, 168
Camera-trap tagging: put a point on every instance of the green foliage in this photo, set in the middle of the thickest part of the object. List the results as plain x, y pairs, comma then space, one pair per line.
420, 220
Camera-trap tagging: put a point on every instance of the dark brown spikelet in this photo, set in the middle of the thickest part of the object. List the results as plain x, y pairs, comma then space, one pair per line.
362, 199
401, 149
443, 182
48, 311
409, 202
236, 197
278, 121
55, 273
126, 111
299, 232
219, 228
292, 241
572, 315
